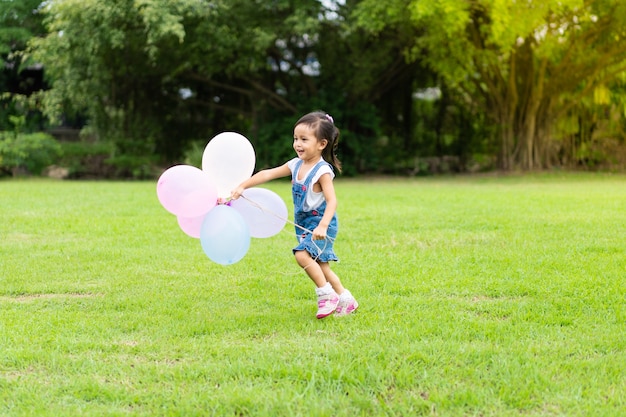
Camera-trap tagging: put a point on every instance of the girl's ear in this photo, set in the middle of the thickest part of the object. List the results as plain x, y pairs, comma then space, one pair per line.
323, 143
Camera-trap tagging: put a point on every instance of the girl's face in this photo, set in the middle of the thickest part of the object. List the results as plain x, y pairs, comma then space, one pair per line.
306, 145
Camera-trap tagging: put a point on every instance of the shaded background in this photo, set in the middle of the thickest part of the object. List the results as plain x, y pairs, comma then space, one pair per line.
127, 87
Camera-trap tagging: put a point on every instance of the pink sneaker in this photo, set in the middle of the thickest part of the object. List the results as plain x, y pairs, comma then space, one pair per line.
346, 306
326, 304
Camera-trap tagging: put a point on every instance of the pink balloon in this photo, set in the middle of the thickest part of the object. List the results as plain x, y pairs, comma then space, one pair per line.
186, 191
263, 210
191, 226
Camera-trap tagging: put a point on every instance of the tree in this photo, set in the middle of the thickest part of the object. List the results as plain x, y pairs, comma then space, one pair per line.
19, 22
523, 64
154, 75
102, 58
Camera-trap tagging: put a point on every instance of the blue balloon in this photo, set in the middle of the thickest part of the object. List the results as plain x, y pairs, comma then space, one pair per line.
224, 235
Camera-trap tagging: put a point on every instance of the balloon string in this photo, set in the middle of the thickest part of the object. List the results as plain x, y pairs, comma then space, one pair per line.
319, 250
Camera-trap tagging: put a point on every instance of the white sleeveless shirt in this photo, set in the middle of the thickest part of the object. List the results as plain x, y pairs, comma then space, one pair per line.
313, 200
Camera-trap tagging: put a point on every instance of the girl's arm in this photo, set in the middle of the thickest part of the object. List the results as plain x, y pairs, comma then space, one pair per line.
326, 182
260, 178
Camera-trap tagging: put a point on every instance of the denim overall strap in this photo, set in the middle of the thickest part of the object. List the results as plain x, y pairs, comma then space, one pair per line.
299, 190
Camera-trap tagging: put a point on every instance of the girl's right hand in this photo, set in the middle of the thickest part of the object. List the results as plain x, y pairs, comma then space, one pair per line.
236, 193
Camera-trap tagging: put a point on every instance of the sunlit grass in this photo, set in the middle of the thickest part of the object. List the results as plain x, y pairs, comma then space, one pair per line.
492, 296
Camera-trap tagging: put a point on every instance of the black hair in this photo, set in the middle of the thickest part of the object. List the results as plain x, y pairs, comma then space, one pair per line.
324, 127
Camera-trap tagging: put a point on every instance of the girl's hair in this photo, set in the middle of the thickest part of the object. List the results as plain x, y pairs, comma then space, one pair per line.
324, 127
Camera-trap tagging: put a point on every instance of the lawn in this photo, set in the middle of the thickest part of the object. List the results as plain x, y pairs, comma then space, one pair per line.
480, 296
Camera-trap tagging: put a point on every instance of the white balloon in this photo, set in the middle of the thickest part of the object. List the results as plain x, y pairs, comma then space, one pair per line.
263, 210
228, 160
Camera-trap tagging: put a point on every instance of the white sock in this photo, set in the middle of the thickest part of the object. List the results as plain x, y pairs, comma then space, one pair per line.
346, 295
325, 290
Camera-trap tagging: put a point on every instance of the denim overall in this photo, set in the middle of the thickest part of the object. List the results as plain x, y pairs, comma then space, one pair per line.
320, 250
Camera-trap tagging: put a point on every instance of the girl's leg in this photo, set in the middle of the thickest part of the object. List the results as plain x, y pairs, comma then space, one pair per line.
312, 268
330, 276
327, 299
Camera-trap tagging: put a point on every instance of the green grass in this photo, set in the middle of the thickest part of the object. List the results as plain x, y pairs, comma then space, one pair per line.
480, 296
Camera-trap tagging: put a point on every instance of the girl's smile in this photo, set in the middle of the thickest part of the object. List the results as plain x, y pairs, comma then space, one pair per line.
306, 145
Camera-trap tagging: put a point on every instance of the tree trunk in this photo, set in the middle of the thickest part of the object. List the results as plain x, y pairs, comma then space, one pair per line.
526, 145
503, 116
507, 140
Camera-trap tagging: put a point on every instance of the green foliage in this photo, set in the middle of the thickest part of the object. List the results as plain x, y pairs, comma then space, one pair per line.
469, 304
522, 64
27, 151
357, 122
155, 76
133, 165
21, 113
102, 159
244, 65
88, 159
193, 154
104, 62
20, 21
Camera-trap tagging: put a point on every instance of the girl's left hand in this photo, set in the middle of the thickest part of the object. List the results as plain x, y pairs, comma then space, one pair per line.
319, 233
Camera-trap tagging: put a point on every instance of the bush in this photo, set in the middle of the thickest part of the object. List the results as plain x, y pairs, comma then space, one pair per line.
133, 166
194, 153
88, 159
29, 153
103, 160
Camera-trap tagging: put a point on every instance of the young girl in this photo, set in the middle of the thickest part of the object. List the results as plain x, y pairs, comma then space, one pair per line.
315, 139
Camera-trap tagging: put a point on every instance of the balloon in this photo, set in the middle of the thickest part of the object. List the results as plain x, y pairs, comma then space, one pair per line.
224, 235
263, 210
191, 226
228, 160
186, 191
